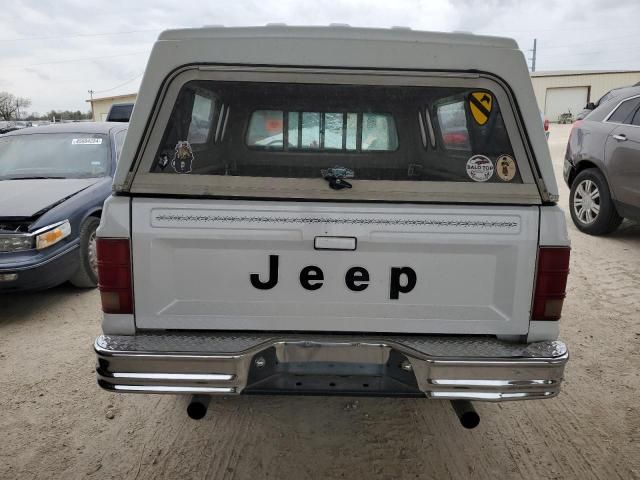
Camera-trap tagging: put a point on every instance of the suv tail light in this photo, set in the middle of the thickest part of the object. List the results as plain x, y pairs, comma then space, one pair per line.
551, 283
546, 124
114, 275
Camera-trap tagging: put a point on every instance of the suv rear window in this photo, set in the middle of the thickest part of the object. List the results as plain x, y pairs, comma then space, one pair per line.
289, 130
120, 112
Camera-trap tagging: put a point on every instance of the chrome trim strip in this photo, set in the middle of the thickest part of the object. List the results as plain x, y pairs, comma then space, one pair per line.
35, 232
175, 376
162, 389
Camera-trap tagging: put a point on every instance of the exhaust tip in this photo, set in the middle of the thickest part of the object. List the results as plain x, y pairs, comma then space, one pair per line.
197, 408
470, 420
467, 415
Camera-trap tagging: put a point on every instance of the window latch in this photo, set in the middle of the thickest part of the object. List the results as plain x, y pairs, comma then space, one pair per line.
336, 177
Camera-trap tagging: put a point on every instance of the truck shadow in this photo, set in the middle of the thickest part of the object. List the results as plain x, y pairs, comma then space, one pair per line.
629, 230
22, 306
336, 437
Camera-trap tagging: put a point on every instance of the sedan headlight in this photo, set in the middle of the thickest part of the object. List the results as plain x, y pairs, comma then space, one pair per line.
53, 235
15, 243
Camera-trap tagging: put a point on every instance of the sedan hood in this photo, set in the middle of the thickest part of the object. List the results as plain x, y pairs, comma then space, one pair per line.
25, 198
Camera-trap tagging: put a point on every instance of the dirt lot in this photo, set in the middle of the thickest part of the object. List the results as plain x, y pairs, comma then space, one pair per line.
56, 423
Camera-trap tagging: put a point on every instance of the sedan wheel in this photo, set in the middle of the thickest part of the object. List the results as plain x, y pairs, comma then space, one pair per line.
87, 274
586, 201
591, 206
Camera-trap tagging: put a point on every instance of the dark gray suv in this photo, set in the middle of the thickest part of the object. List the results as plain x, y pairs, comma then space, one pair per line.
602, 164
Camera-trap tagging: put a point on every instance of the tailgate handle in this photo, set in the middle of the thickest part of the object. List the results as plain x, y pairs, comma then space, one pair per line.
335, 243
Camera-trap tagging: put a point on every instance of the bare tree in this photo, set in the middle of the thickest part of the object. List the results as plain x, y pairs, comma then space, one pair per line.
10, 105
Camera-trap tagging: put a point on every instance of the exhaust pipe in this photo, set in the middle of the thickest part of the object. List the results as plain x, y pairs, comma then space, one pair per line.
198, 406
467, 415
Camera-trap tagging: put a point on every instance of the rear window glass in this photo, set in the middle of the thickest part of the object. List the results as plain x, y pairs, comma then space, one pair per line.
287, 130
120, 112
624, 110
325, 131
200, 123
56, 155
452, 119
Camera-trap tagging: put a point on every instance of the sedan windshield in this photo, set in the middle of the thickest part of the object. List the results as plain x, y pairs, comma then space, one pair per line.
54, 155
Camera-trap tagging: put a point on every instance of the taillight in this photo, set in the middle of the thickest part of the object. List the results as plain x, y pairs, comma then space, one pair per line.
551, 283
114, 275
546, 124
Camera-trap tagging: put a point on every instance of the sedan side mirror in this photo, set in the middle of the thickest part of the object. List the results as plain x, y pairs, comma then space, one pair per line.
590, 106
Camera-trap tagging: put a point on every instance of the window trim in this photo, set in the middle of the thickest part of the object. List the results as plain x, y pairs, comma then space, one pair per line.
633, 116
139, 179
423, 132
606, 120
432, 133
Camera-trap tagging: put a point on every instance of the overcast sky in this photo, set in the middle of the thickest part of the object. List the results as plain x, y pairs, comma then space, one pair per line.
54, 52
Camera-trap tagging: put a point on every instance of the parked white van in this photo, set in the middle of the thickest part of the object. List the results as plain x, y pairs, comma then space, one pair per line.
335, 211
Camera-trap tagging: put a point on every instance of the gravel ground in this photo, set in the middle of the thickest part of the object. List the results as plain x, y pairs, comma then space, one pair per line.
56, 423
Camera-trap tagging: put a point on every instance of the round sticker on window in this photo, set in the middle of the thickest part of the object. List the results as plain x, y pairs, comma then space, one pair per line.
479, 168
506, 167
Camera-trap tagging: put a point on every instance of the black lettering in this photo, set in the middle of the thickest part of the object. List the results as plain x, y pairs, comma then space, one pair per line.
311, 274
357, 279
273, 275
396, 287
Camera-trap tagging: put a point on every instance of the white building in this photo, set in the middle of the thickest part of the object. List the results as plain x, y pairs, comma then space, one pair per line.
557, 92
100, 106
563, 91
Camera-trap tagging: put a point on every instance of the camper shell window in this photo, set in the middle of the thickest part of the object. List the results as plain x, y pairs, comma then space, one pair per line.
286, 130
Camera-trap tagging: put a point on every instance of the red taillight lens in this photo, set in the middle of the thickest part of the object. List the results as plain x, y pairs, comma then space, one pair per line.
114, 275
576, 125
546, 124
551, 283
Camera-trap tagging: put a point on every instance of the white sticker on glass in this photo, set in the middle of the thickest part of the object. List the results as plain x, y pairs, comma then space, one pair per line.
506, 167
86, 141
480, 168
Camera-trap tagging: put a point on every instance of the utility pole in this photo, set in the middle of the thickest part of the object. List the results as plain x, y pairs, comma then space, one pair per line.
93, 115
533, 56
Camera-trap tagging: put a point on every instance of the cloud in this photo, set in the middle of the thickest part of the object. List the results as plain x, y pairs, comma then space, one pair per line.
54, 52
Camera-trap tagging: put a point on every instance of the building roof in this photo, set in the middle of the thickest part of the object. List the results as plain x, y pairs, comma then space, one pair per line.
566, 73
115, 97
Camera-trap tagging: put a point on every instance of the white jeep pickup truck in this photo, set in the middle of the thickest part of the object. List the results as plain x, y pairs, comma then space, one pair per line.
334, 210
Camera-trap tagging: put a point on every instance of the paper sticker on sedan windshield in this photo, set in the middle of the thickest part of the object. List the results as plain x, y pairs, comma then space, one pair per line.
182, 161
479, 168
86, 141
480, 104
506, 167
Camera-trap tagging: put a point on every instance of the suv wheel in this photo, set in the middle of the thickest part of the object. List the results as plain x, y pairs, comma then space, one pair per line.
592, 209
87, 274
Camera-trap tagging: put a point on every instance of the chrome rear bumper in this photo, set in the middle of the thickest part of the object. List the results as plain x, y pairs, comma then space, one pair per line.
446, 367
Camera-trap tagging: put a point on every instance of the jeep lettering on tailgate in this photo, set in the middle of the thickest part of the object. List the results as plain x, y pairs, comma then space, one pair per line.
401, 279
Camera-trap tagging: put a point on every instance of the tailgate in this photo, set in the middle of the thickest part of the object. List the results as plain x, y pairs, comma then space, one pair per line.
306, 266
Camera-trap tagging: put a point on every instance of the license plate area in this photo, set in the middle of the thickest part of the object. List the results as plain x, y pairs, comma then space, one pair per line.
373, 371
